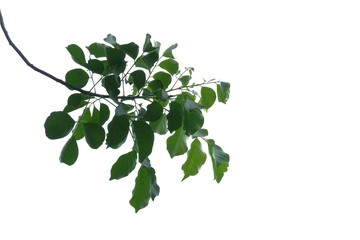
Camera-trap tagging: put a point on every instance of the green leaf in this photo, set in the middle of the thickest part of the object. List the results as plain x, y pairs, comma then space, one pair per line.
141, 192
115, 56
104, 113
219, 158
110, 39
195, 159
160, 125
77, 54
95, 66
94, 135
200, 133
111, 85
164, 77
95, 118
175, 116
147, 61
193, 121
75, 101
223, 91
144, 137
154, 187
185, 80
131, 49
176, 143
70, 152
118, 130
124, 165
154, 112
58, 125
78, 131
97, 49
123, 109
138, 78
148, 47
208, 97
170, 65
77, 78
168, 52
155, 85
190, 105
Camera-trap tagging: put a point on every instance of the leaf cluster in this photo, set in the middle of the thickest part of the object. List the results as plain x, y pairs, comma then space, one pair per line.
144, 92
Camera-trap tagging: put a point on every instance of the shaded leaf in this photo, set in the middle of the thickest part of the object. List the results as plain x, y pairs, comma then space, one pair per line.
118, 130
175, 116
154, 112
195, 159
115, 57
77, 78
138, 78
144, 137
200, 133
70, 152
58, 125
104, 113
223, 91
170, 65
97, 49
176, 143
208, 97
110, 39
124, 165
75, 101
160, 125
168, 52
94, 135
155, 85
77, 54
95, 66
220, 159
131, 49
190, 105
164, 77
193, 121
111, 85
123, 109
148, 47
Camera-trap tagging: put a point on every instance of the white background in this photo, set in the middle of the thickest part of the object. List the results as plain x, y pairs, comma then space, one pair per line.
291, 125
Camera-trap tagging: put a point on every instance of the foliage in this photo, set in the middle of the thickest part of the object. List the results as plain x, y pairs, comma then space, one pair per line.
145, 93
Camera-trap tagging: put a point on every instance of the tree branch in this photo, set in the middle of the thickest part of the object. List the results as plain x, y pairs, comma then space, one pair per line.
62, 82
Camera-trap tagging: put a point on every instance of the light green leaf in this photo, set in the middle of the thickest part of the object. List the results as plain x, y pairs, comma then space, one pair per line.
223, 91
176, 143
118, 130
193, 121
219, 158
170, 65
208, 97
77, 54
94, 135
185, 80
124, 165
195, 159
168, 52
70, 152
160, 125
175, 116
77, 78
144, 137
58, 125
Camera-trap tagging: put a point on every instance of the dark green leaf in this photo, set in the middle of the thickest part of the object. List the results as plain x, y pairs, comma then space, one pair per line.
75, 101
58, 125
97, 49
154, 112
94, 134
147, 61
104, 113
131, 49
200, 133
176, 143
115, 57
219, 158
190, 105
175, 116
208, 97
160, 125
110, 39
141, 193
170, 65
118, 130
155, 85
144, 137
77, 78
182, 97
78, 131
95, 66
195, 159
124, 165
138, 78
148, 47
185, 80
162, 95
123, 109
164, 77
154, 187
77, 54
168, 52
95, 118
70, 152
111, 85
193, 121
223, 91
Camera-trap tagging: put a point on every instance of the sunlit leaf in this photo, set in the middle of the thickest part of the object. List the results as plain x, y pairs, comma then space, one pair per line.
208, 97
164, 77
170, 65
195, 159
